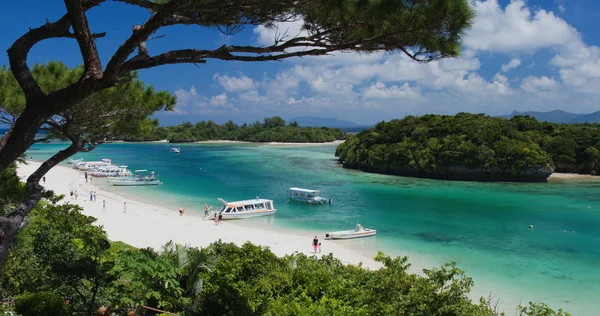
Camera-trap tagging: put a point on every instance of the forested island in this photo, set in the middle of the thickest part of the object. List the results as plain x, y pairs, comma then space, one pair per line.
474, 147
272, 129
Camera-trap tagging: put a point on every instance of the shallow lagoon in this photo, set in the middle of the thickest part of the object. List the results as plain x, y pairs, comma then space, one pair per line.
484, 227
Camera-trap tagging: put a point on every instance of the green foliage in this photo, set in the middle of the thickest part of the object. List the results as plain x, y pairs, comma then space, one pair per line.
539, 309
41, 304
61, 255
12, 190
60, 251
108, 114
474, 147
273, 129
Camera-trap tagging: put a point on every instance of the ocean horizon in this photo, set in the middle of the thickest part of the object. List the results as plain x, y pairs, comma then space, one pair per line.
483, 227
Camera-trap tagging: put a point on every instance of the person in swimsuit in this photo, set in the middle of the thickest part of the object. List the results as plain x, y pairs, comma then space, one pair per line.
315, 244
205, 210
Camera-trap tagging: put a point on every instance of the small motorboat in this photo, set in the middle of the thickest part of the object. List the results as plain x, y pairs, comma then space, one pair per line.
175, 150
358, 232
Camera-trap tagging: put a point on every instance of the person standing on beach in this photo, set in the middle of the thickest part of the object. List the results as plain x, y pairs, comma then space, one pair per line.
216, 219
220, 219
91, 177
91, 196
319, 247
104, 205
181, 211
94, 196
85, 174
205, 210
124, 207
44, 179
315, 244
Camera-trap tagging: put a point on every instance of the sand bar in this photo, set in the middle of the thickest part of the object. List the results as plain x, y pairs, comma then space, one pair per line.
148, 225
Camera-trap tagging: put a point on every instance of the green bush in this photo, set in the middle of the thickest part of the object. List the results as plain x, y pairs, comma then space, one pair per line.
41, 304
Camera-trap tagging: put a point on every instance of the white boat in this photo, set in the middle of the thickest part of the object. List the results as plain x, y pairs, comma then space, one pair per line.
112, 171
245, 209
91, 165
74, 161
175, 150
139, 179
358, 232
306, 196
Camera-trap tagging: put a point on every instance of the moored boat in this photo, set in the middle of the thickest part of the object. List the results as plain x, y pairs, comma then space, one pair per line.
306, 196
112, 171
139, 179
358, 232
245, 209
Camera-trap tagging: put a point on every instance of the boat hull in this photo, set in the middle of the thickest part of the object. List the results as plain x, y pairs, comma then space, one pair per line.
350, 234
132, 183
229, 216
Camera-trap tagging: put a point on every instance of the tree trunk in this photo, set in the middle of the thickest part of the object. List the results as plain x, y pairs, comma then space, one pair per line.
10, 224
20, 137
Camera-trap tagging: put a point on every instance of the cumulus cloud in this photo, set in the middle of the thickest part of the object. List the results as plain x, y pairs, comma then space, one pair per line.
219, 100
235, 84
355, 83
516, 28
380, 90
512, 64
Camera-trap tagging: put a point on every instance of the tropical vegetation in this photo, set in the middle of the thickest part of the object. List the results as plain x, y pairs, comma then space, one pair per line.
272, 129
63, 264
474, 147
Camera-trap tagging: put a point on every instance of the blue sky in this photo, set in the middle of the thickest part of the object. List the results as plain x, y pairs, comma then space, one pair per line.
524, 55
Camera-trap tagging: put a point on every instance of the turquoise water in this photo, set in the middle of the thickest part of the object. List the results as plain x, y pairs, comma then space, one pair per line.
481, 226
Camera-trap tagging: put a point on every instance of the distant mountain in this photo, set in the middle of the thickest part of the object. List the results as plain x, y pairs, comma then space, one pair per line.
313, 121
559, 116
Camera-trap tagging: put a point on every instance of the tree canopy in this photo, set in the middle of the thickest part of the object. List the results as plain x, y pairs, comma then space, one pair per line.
273, 129
474, 147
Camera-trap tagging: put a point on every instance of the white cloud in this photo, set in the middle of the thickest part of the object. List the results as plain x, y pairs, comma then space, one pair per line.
534, 84
235, 84
379, 90
512, 64
350, 84
516, 28
219, 100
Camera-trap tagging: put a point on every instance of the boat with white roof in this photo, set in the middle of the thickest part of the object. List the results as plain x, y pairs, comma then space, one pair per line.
306, 196
358, 232
91, 165
244, 209
112, 171
175, 150
141, 178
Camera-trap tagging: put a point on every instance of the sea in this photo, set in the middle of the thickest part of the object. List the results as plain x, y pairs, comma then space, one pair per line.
483, 227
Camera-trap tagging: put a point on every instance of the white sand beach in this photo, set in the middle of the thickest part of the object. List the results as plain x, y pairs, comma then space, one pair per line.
572, 176
336, 142
148, 225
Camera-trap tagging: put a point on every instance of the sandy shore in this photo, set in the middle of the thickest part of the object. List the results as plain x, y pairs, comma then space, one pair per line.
337, 142
148, 225
573, 176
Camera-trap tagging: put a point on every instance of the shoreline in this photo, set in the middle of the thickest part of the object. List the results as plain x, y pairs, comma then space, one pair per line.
224, 141
572, 176
150, 225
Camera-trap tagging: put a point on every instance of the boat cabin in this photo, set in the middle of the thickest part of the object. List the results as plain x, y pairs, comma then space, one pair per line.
246, 206
306, 195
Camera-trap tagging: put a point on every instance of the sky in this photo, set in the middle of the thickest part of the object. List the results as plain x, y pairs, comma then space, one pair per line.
535, 55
